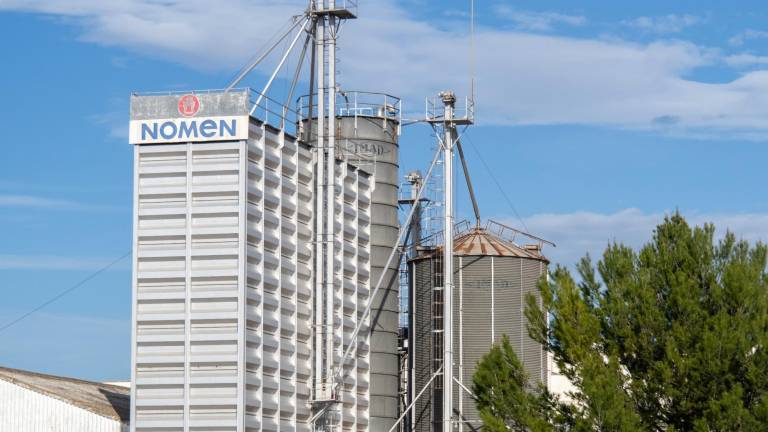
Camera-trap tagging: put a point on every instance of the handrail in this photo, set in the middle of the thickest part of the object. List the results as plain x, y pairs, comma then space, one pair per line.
268, 110
436, 238
356, 103
500, 229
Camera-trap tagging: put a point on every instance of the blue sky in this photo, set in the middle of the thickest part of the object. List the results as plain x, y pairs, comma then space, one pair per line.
596, 117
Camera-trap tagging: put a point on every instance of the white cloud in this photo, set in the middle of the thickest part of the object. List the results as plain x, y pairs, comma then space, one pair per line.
38, 202
523, 78
54, 262
664, 24
578, 233
190, 31
747, 35
538, 21
741, 60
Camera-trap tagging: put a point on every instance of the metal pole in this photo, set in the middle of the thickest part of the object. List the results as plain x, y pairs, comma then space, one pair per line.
313, 55
279, 66
320, 322
449, 100
330, 196
469, 183
256, 62
295, 81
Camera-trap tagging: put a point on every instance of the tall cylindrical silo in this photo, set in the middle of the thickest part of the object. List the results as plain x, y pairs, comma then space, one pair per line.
367, 132
492, 277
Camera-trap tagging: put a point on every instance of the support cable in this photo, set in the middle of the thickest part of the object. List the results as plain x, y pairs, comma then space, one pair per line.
498, 185
66, 291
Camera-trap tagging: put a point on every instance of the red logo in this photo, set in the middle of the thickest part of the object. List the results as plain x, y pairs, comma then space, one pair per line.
189, 105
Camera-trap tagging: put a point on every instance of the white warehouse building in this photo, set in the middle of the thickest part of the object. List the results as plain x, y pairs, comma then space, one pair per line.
34, 402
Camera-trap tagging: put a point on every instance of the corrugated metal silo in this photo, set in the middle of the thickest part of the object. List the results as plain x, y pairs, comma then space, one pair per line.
367, 132
492, 277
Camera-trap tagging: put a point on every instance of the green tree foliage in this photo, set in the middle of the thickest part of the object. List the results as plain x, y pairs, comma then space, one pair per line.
670, 338
503, 399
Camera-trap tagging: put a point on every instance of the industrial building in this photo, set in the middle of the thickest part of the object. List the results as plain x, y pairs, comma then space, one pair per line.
223, 273
34, 402
269, 241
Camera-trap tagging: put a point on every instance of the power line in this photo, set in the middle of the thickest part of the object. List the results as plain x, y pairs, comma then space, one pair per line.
498, 185
66, 291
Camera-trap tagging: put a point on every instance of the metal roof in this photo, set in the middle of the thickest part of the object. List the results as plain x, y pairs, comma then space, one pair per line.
479, 241
110, 401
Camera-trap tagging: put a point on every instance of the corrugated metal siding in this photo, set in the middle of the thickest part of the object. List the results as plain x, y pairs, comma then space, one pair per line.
371, 143
353, 286
278, 369
23, 410
421, 348
223, 285
188, 287
473, 294
491, 293
534, 357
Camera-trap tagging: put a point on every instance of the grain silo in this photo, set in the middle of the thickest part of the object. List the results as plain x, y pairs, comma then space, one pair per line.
222, 284
367, 129
492, 276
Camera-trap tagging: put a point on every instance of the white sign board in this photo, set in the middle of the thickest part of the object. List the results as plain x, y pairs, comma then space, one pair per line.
155, 131
191, 117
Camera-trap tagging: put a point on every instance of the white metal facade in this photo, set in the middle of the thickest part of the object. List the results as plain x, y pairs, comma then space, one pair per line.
24, 410
223, 285
352, 289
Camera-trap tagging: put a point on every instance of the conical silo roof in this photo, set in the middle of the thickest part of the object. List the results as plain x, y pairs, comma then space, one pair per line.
478, 241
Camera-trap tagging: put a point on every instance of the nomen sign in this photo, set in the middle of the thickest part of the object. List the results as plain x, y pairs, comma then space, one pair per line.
186, 130
188, 118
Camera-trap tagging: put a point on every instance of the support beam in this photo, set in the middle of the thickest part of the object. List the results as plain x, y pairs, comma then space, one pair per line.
264, 55
475, 207
279, 66
449, 100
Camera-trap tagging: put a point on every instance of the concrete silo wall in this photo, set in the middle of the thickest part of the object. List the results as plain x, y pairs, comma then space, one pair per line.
371, 143
374, 142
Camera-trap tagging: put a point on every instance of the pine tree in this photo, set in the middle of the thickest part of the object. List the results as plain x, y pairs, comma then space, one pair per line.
670, 338
503, 399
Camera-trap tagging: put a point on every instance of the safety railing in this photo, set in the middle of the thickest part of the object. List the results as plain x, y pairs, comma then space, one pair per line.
342, 8
356, 104
511, 234
272, 112
437, 238
463, 110
263, 108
